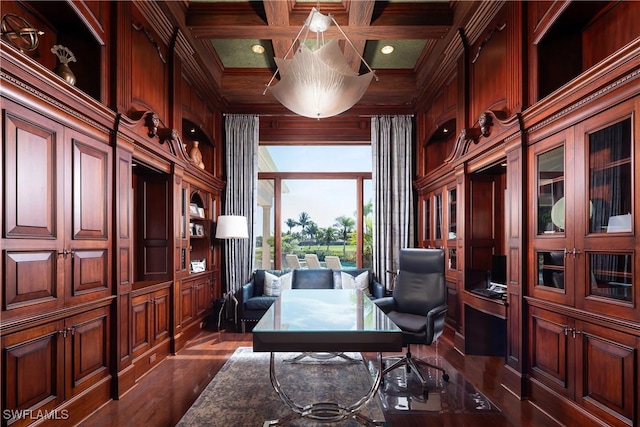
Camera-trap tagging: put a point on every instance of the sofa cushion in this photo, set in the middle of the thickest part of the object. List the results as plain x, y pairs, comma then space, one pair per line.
259, 276
312, 279
273, 284
360, 281
259, 303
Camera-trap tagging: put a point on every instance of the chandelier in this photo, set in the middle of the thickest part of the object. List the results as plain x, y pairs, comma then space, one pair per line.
318, 83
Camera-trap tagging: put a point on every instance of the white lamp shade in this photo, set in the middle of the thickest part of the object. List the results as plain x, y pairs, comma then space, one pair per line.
232, 227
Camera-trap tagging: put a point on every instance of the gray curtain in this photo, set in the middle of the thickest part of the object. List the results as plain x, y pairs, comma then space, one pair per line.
241, 134
393, 216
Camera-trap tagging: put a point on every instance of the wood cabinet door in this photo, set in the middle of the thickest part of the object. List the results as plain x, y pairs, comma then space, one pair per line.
551, 351
87, 349
607, 369
202, 298
141, 317
161, 315
33, 371
33, 194
89, 218
186, 302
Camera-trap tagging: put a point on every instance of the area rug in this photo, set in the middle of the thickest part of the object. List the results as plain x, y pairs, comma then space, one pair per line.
402, 392
241, 393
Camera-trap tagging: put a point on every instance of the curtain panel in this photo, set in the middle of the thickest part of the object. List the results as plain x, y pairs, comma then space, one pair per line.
393, 216
241, 138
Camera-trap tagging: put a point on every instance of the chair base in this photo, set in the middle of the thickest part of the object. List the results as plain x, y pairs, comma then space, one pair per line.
410, 363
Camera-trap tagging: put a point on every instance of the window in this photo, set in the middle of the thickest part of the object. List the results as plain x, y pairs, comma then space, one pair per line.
314, 200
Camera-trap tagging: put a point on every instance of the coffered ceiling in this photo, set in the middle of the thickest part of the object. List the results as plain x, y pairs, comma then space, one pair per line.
418, 30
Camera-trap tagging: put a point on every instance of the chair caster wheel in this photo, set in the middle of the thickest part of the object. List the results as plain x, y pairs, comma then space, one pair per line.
445, 377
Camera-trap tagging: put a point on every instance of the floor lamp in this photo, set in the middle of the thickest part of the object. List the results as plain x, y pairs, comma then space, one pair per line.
231, 227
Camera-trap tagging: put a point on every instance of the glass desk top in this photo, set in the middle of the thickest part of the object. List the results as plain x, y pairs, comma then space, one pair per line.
325, 320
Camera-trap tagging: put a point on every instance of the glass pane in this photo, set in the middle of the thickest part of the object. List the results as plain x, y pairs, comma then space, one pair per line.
551, 269
452, 214
319, 217
610, 179
427, 219
264, 226
611, 275
551, 191
438, 216
453, 259
315, 158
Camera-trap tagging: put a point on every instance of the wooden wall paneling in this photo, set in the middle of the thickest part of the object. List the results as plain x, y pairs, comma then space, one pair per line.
488, 68
149, 77
515, 224
123, 267
123, 62
515, 84
609, 32
154, 233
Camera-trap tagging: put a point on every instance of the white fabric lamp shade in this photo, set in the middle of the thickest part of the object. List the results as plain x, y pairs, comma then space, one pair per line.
232, 227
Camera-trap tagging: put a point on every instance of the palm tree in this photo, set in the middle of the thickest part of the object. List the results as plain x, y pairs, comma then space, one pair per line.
346, 223
290, 223
312, 230
303, 220
328, 235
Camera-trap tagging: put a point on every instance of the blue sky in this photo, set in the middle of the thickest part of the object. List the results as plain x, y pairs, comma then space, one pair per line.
323, 200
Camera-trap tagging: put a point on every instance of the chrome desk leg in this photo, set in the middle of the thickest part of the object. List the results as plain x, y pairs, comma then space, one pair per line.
328, 412
322, 356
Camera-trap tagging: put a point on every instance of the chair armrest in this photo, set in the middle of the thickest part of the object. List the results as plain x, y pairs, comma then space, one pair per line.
377, 289
385, 304
436, 312
248, 291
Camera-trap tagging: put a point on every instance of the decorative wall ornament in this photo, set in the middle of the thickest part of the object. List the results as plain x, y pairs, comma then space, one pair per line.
151, 40
152, 121
196, 155
64, 57
487, 39
19, 33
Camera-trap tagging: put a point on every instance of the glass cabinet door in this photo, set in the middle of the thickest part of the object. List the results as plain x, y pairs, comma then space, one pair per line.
453, 213
608, 260
551, 202
437, 201
551, 224
426, 220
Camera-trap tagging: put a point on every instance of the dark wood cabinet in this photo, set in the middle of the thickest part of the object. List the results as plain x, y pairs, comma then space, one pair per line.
583, 264
150, 323
49, 364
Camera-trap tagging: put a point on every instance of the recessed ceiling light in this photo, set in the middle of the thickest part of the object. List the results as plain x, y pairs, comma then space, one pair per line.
387, 49
256, 48
445, 130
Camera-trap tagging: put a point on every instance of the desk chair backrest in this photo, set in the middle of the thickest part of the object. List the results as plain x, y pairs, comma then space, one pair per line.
420, 283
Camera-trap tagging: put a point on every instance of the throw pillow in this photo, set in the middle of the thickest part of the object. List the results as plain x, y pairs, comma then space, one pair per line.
285, 281
271, 285
359, 282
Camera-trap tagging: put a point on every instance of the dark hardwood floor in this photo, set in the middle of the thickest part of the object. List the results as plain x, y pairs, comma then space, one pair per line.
162, 396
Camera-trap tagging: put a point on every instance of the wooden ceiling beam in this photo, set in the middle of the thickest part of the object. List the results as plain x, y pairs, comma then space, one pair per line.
362, 32
360, 14
277, 13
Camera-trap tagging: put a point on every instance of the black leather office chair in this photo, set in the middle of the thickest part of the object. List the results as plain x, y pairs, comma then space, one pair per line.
418, 304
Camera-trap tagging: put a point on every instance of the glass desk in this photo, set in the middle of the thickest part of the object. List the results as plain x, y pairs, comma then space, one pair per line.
325, 321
